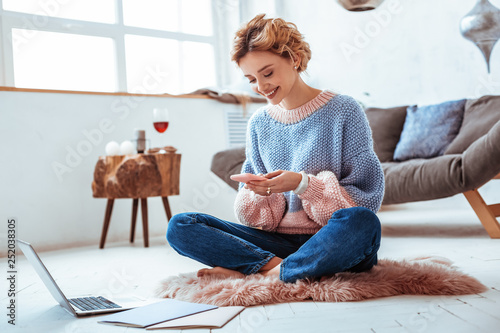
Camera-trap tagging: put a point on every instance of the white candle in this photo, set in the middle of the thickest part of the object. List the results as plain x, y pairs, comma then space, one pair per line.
112, 148
127, 148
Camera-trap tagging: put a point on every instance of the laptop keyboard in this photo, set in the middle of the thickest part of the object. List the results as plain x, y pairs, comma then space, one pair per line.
93, 303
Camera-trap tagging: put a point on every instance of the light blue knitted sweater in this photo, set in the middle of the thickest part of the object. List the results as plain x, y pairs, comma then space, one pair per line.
329, 138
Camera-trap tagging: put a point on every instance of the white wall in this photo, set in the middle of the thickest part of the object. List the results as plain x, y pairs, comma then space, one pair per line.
56, 210
404, 52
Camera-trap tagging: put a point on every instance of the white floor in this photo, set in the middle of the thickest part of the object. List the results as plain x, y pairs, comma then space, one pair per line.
448, 230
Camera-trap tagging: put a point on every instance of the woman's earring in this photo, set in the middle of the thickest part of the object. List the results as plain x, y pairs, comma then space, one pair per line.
295, 67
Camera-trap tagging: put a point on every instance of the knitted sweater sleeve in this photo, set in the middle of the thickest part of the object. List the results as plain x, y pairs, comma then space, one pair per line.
263, 212
361, 179
324, 196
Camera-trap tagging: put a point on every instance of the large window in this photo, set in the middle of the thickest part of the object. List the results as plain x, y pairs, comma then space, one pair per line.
138, 46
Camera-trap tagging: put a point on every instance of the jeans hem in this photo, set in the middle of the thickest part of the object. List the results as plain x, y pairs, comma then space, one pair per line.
262, 264
282, 267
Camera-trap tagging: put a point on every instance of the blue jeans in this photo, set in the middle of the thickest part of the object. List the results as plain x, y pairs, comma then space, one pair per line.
348, 242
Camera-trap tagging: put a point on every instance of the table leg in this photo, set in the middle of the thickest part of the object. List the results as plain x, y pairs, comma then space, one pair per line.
135, 204
487, 214
107, 219
167, 208
144, 211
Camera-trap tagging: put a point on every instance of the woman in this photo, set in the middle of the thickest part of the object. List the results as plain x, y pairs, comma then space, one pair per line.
314, 215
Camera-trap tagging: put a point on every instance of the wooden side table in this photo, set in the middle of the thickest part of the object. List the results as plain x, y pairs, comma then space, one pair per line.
136, 177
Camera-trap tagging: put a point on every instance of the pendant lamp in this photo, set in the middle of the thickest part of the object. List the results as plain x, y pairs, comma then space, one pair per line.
482, 27
359, 5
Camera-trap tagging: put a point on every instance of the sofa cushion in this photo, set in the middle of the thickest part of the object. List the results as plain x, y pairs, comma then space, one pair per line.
428, 130
386, 126
228, 162
423, 179
444, 176
479, 116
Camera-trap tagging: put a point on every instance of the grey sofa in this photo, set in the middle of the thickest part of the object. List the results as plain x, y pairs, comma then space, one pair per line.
471, 160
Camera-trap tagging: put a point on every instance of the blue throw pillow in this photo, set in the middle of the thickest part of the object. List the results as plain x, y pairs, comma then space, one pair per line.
428, 130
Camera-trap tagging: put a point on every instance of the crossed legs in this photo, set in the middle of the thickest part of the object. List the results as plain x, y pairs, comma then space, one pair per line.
349, 242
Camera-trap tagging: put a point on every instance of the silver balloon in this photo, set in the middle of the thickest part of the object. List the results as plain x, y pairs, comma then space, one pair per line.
360, 5
482, 26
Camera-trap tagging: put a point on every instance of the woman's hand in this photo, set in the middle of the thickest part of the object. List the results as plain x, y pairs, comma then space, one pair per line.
278, 181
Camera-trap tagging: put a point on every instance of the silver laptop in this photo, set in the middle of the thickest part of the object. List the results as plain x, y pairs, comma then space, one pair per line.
77, 306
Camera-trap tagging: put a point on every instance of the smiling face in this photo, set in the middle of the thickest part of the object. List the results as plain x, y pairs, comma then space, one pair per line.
270, 75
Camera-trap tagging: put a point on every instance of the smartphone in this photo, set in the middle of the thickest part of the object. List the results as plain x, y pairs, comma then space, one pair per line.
246, 177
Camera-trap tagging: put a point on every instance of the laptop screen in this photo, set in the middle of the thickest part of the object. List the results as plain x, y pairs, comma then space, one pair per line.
44, 274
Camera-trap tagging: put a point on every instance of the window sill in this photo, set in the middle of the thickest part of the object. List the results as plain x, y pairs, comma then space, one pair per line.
53, 91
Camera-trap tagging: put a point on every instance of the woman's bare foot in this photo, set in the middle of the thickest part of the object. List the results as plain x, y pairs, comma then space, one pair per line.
220, 272
272, 268
275, 271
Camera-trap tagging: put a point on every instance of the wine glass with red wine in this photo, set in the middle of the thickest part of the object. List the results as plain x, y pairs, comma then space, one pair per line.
160, 119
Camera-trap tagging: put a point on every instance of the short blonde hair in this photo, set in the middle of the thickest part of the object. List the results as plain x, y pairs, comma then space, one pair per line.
274, 35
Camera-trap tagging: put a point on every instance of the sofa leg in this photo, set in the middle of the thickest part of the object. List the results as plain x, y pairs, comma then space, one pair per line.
487, 214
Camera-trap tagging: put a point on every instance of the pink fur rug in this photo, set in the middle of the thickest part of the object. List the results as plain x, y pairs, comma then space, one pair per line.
423, 276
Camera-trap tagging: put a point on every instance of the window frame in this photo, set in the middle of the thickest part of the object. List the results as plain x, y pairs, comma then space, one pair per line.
116, 31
